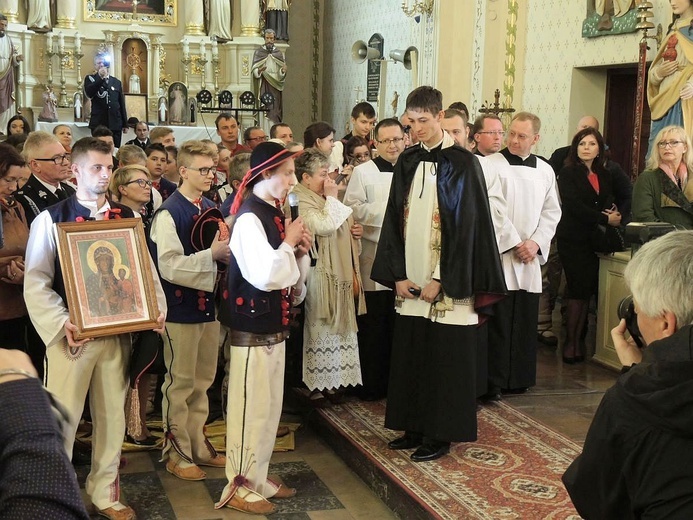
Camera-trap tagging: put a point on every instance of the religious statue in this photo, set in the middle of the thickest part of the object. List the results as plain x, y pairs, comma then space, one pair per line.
39, 15
177, 104
219, 19
669, 89
9, 59
77, 101
50, 106
269, 74
134, 83
276, 14
163, 110
608, 8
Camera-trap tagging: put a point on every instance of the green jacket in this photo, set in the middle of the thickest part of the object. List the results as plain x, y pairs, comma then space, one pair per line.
651, 205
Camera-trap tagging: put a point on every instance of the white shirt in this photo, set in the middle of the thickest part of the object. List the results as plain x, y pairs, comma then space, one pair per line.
47, 310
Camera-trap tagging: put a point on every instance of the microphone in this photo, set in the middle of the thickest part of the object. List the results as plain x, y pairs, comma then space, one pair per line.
293, 204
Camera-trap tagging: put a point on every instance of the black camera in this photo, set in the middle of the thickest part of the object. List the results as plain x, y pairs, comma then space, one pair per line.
626, 311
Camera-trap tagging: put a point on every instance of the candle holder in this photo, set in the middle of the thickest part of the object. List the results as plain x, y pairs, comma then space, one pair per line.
215, 71
49, 58
186, 61
78, 63
64, 58
202, 61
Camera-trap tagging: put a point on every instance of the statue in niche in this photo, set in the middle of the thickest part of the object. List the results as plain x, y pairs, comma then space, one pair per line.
134, 83
39, 17
269, 74
276, 13
219, 19
50, 106
163, 110
77, 101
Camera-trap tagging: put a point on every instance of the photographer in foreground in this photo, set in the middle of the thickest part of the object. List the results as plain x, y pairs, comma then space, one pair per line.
637, 460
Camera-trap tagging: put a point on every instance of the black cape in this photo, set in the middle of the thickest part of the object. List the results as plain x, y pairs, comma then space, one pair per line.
638, 456
469, 259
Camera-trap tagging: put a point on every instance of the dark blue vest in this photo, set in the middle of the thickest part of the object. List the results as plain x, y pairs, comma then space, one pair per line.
69, 210
185, 305
244, 307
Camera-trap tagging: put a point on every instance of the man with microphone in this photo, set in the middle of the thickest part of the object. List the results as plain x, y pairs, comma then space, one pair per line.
107, 99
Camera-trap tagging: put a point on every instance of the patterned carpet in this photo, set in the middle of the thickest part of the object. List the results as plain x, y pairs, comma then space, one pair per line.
512, 472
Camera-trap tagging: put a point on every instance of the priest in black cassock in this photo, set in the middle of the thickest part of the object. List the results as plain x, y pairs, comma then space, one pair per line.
438, 251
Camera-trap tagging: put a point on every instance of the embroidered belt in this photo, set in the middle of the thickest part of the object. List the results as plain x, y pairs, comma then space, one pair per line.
240, 338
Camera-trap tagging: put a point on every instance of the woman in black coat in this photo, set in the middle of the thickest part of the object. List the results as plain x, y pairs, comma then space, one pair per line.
586, 191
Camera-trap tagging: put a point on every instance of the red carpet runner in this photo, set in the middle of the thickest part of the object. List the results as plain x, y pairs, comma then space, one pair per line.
513, 471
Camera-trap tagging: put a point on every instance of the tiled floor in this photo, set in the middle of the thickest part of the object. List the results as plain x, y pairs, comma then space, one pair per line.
565, 399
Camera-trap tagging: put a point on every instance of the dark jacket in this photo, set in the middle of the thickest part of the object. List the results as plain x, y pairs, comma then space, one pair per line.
638, 455
137, 142
469, 260
581, 206
37, 478
35, 197
107, 102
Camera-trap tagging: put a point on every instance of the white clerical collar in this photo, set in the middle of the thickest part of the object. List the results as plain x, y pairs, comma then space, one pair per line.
432, 147
95, 211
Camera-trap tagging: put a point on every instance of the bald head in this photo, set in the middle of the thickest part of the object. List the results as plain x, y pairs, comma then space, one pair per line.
588, 122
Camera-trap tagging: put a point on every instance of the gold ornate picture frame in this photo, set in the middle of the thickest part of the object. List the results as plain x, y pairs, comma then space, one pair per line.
108, 279
155, 12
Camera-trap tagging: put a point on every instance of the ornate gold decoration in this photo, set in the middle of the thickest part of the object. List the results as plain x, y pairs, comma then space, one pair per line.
196, 66
64, 22
194, 29
245, 65
68, 60
168, 16
250, 30
419, 7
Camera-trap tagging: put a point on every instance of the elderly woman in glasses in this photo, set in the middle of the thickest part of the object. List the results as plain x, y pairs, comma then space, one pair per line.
663, 193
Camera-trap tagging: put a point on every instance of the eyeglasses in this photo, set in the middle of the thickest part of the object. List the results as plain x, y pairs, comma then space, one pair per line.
395, 140
203, 171
58, 159
671, 144
142, 183
493, 132
261, 138
362, 155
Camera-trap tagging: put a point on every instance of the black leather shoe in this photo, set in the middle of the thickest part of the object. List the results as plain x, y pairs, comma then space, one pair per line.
491, 397
430, 451
406, 442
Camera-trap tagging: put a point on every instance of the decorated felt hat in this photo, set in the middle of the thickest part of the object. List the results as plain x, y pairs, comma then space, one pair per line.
205, 229
265, 156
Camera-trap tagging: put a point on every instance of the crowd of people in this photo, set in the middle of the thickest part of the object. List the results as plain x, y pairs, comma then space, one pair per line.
423, 253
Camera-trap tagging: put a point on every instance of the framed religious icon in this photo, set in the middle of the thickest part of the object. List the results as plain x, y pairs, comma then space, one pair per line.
136, 106
155, 12
108, 279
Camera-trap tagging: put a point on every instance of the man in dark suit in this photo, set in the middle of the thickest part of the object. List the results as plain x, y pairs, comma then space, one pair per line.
142, 140
50, 167
107, 99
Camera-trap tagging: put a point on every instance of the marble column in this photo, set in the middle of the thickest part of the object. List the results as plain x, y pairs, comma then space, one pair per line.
10, 8
66, 14
250, 18
194, 16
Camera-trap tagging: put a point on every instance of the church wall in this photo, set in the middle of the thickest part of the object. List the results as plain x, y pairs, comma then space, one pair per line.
302, 70
346, 22
565, 74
